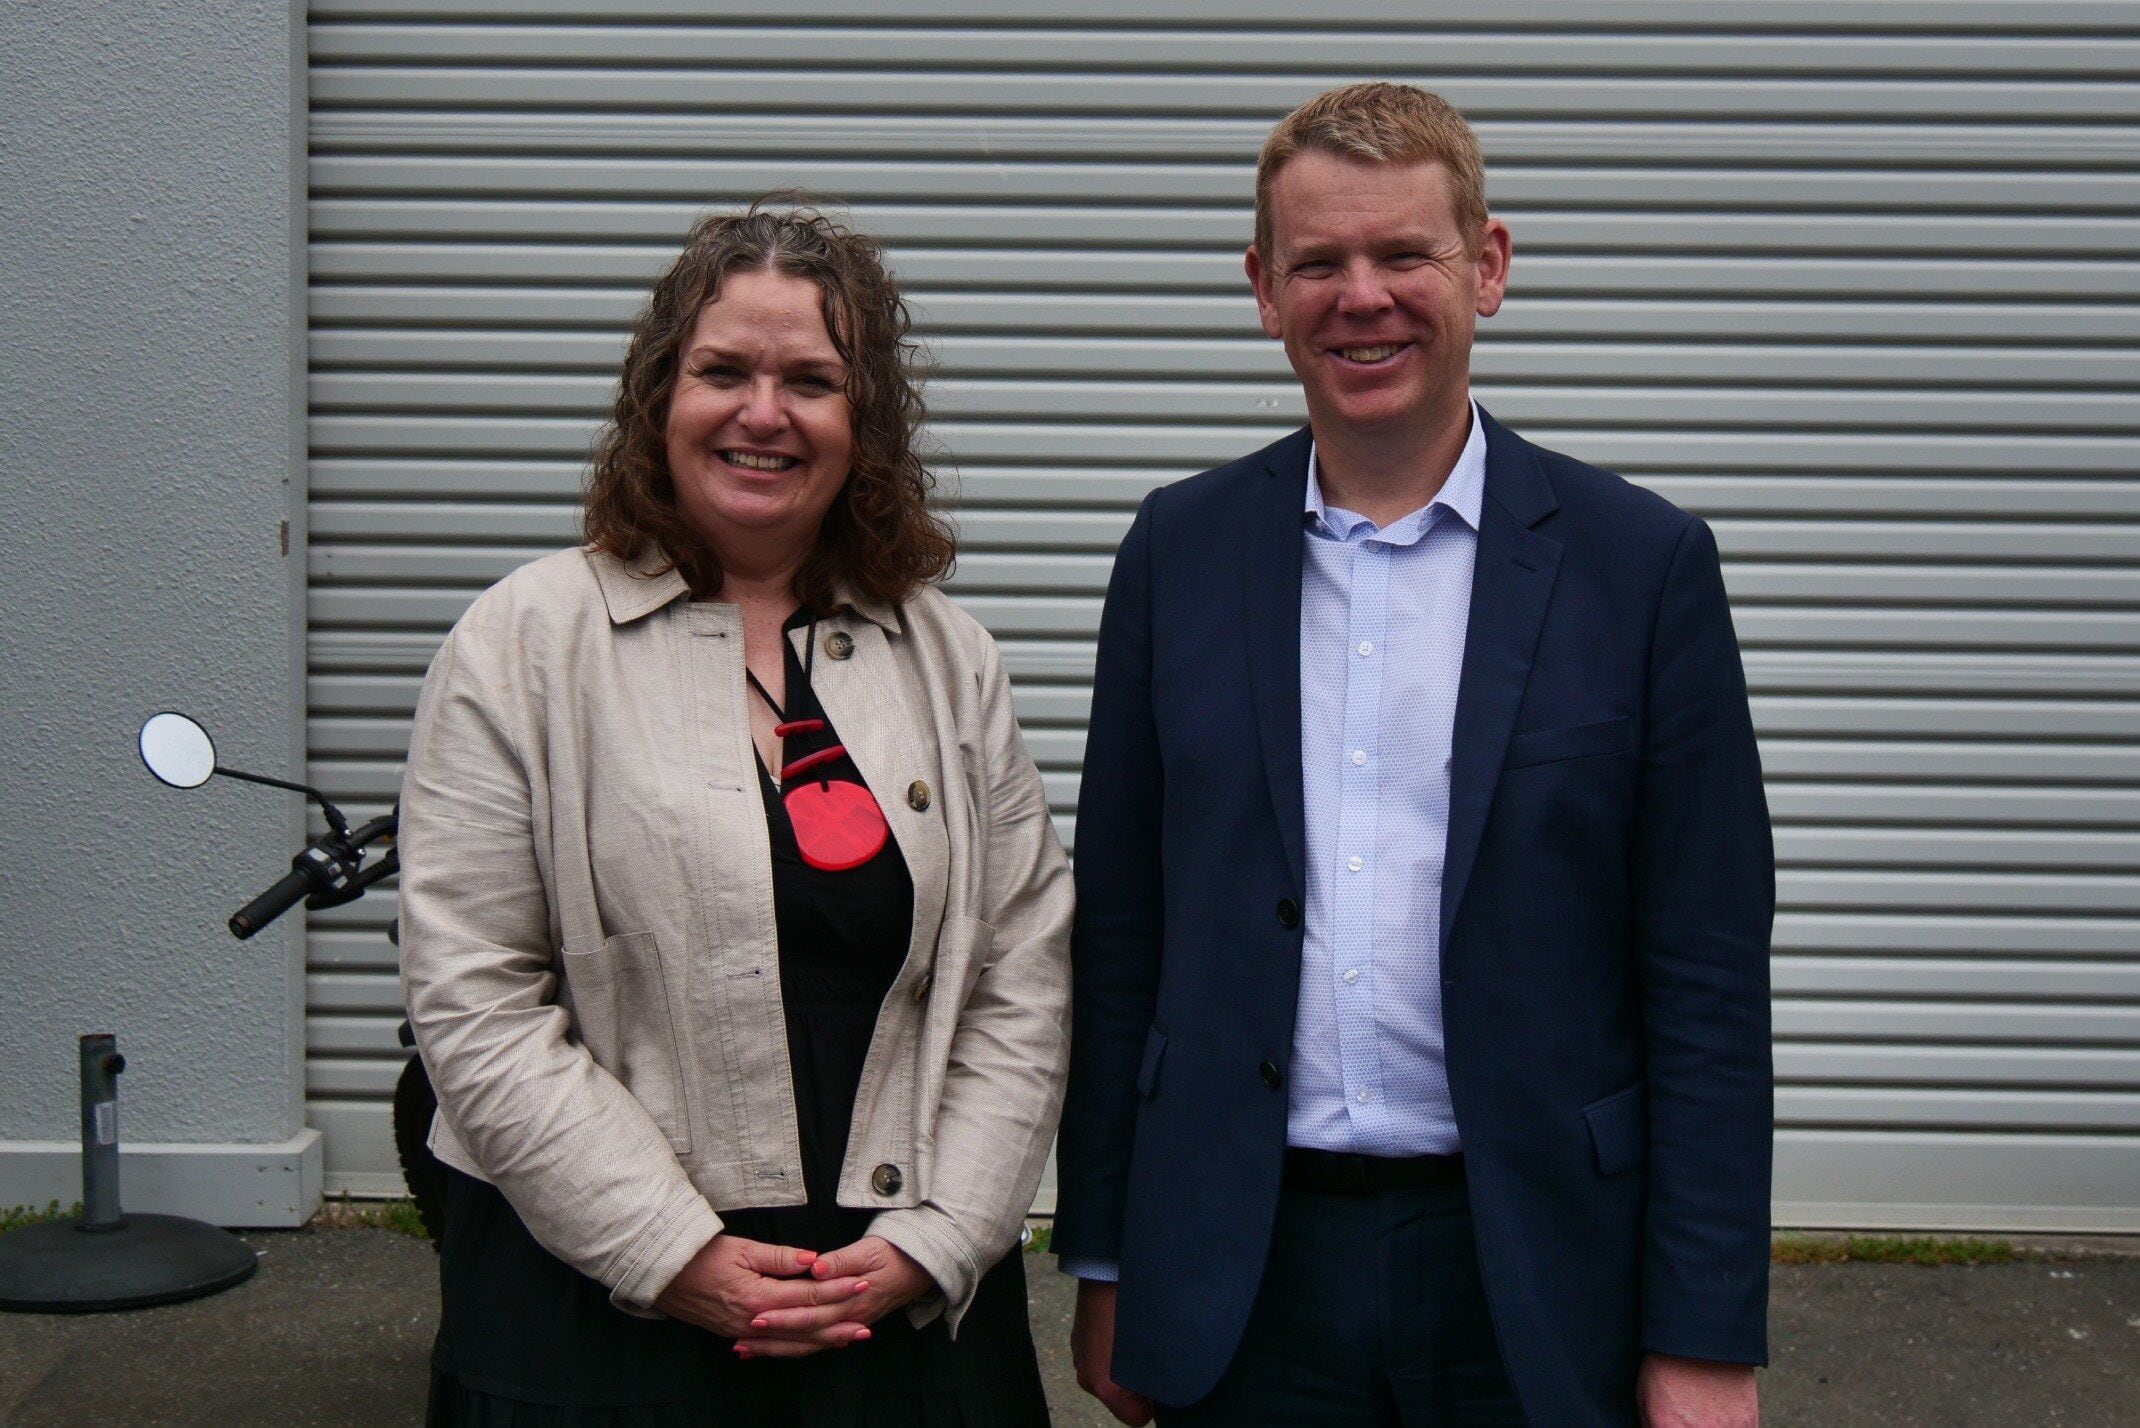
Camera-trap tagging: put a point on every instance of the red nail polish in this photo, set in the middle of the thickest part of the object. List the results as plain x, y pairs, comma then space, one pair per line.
741, 1352
861, 1334
757, 1323
861, 1285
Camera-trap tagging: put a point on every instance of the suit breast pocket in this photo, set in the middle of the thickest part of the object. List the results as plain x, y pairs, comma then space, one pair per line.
1571, 741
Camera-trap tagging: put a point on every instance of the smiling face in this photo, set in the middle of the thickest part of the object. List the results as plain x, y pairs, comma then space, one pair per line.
1375, 292
760, 436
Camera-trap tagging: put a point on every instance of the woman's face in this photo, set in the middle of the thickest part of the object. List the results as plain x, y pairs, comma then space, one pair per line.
760, 434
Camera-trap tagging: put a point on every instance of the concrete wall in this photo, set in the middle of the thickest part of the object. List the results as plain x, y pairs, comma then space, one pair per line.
152, 336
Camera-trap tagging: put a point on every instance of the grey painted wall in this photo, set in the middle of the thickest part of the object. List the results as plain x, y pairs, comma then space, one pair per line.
151, 322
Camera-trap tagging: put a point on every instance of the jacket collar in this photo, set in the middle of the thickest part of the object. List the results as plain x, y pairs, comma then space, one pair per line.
633, 589
638, 587
1513, 478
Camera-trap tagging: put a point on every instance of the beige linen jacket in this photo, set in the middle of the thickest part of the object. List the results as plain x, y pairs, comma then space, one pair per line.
587, 941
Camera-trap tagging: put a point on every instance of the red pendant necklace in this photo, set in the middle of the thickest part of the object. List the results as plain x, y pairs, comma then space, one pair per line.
837, 823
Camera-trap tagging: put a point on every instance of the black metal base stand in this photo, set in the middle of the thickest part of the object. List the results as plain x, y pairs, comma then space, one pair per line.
65, 1267
102, 1259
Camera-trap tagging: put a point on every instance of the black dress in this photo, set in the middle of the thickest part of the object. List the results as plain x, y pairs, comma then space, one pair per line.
526, 1340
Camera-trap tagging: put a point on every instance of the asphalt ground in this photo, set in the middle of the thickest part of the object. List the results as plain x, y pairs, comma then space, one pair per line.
336, 1327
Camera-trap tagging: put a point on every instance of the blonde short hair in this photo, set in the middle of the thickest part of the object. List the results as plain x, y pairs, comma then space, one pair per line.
1381, 123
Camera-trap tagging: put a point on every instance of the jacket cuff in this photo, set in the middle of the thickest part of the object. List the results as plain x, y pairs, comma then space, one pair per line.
660, 1253
1726, 1330
928, 1238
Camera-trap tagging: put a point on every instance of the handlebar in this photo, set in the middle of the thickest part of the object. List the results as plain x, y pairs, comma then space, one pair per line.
292, 888
329, 872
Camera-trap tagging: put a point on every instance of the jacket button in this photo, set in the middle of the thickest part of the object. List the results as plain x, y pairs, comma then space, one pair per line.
1272, 1076
921, 988
887, 1179
918, 796
839, 644
1288, 912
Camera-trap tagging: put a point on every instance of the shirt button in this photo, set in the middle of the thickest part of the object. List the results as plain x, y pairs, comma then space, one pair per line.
1359, 756
1355, 864
918, 796
839, 644
886, 1179
1367, 647
1271, 1075
1363, 1097
1352, 974
1288, 912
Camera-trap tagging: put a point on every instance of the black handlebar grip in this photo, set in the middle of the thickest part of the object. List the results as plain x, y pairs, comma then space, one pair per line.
293, 888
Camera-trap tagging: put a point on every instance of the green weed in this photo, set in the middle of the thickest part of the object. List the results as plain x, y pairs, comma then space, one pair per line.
1889, 1249
343, 1213
14, 1217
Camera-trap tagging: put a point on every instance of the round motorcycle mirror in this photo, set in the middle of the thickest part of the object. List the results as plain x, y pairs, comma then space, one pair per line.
177, 750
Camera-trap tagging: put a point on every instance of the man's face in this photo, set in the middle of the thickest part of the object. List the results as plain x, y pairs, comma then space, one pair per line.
1375, 291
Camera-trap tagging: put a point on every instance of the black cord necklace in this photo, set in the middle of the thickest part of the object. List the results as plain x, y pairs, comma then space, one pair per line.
837, 823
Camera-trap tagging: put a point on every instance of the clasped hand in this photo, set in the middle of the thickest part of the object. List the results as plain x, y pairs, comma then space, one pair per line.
779, 1302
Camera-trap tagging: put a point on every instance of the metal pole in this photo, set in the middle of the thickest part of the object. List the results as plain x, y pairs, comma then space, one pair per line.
106, 1260
101, 1065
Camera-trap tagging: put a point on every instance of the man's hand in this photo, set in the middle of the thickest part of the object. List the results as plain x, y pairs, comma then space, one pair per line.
1092, 1350
733, 1283
1673, 1392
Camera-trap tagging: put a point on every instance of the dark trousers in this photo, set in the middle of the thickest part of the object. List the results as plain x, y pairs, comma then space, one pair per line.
1371, 1312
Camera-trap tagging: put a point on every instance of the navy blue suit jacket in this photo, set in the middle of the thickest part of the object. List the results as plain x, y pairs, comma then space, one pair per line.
1607, 897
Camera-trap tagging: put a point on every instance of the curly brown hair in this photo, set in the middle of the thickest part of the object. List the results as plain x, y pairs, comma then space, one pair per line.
879, 540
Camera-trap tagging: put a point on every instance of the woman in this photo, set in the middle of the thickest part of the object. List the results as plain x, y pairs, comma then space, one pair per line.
734, 924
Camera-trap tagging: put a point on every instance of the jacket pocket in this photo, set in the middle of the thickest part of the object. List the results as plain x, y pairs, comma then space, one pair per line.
1619, 1130
620, 1008
1573, 741
1155, 1051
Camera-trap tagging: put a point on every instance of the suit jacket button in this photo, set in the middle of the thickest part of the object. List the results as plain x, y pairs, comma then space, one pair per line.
839, 644
887, 1179
1288, 912
1272, 1076
918, 796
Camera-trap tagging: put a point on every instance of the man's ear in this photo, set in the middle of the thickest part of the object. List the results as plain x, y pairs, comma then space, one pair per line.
1495, 253
1266, 288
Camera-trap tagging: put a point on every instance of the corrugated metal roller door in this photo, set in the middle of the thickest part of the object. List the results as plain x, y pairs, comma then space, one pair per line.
1863, 296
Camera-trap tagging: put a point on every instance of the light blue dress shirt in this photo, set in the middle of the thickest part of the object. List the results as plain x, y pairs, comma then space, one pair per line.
1383, 616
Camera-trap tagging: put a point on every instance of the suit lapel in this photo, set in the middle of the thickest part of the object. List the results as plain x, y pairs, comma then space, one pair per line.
1511, 584
1268, 542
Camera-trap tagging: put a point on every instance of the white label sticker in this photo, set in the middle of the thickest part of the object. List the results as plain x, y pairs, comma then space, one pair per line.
107, 1113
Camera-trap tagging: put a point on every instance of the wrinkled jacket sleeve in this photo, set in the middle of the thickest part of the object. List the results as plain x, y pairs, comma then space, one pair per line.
1003, 1089
1120, 914
587, 1169
1704, 886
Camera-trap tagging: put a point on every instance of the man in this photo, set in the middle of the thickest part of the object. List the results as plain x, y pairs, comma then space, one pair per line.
1420, 1066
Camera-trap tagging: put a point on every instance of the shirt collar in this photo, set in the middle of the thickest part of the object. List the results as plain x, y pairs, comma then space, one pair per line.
1462, 494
